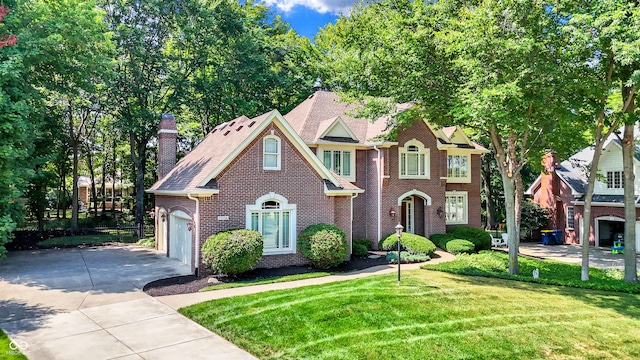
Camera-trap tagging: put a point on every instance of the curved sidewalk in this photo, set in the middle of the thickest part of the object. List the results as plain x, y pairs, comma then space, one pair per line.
178, 301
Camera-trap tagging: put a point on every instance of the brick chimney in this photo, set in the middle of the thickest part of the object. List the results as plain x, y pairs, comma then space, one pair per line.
167, 142
550, 185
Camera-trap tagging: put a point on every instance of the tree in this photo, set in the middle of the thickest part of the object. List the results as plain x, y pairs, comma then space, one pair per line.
607, 35
494, 66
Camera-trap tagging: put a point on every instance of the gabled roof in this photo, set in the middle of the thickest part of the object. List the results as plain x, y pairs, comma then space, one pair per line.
196, 172
573, 171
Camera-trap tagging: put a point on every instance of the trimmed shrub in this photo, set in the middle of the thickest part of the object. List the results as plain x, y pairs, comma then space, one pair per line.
324, 245
366, 242
441, 240
232, 252
459, 246
406, 257
360, 250
412, 243
480, 238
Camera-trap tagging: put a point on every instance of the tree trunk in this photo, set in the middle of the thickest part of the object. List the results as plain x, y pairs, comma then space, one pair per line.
139, 157
74, 189
103, 194
113, 180
92, 173
628, 147
490, 209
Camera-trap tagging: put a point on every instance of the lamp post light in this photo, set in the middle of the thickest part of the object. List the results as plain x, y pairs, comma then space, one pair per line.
399, 228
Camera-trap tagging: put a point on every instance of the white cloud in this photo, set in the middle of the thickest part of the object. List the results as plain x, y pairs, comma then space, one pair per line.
321, 6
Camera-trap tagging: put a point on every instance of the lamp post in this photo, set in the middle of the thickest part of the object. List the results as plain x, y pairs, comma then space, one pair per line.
399, 228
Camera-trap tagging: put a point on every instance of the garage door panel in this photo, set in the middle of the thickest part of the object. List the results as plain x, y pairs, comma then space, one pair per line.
180, 240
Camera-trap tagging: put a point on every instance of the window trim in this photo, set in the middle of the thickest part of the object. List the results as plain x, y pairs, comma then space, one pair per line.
278, 152
422, 150
570, 211
284, 207
611, 175
352, 160
459, 179
465, 196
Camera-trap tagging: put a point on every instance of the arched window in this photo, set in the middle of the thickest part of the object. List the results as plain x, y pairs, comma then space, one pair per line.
271, 153
274, 218
414, 160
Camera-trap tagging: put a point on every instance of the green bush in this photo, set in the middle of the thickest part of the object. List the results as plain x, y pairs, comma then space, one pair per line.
459, 246
412, 243
147, 242
441, 240
480, 238
324, 245
366, 242
232, 252
360, 250
406, 257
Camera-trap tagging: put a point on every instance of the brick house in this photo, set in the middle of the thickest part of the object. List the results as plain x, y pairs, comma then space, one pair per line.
317, 164
562, 185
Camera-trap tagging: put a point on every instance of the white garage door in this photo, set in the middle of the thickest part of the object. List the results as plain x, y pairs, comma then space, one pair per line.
180, 237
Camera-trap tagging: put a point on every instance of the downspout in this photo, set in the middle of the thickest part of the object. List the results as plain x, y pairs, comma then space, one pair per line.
379, 179
197, 226
353, 196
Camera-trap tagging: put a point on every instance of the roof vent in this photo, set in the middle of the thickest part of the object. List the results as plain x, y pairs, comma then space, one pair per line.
239, 127
227, 132
214, 130
233, 123
251, 124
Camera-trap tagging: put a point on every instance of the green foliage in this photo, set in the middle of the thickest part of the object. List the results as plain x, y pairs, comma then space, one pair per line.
495, 264
122, 236
365, 242
459, 246
324, 245
414, 244
534, 217
406, 257
147, 242
480, 238
360, 250
441, 240
232, 252
8, 353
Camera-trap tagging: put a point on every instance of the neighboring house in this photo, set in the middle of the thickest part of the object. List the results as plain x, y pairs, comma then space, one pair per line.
317, 164
561, 188
114, 193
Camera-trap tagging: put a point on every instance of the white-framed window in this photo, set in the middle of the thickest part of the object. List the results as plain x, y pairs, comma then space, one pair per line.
271, 153
615, 180
338, 160
275, 219
456, 207
458, 167
570, 217
413, 160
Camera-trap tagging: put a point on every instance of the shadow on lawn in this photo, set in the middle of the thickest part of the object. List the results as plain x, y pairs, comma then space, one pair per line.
623, 303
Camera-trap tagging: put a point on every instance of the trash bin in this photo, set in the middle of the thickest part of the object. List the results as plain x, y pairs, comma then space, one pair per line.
557, 237
547, 237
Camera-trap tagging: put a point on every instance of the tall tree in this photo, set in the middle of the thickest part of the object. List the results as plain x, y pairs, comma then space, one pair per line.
606, 36
493, 65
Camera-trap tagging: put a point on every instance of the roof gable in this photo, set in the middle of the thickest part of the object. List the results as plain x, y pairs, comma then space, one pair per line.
335, 128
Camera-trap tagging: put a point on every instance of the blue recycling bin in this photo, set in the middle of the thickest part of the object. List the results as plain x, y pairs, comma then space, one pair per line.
547, 237
557, 237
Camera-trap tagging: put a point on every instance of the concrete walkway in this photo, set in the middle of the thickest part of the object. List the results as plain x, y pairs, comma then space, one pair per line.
88, 303
179, 301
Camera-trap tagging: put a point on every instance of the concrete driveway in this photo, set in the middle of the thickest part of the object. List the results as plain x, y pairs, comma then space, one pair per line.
88, 303
599, 257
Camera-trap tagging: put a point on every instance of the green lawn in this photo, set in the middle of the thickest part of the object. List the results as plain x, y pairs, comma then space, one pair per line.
496, 264
433, 315
9, 351
124, 236
272, 280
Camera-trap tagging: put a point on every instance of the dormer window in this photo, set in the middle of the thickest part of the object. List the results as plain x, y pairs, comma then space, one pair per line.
414, 160
271, 153
458, 167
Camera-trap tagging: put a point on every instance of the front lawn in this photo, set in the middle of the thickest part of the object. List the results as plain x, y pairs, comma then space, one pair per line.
496, 264
271, 280
8, 350
433, 315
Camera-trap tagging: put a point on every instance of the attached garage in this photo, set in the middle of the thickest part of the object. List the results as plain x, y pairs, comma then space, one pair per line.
180, 237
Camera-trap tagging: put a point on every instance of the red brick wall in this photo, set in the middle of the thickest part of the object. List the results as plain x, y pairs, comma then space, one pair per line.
244, 181
166, 145
572, 237
171, 204
360, 203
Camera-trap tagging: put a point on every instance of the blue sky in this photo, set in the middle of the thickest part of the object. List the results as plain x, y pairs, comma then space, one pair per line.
307, 16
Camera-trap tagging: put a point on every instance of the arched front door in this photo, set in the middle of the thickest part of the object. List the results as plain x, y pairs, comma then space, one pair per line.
413, 210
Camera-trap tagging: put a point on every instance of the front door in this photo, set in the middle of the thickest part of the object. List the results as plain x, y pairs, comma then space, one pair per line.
408, 212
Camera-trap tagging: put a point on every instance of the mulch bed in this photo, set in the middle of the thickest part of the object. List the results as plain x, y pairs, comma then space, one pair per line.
191, 283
